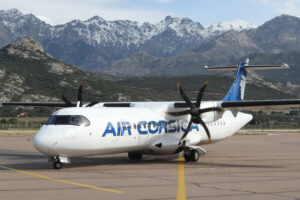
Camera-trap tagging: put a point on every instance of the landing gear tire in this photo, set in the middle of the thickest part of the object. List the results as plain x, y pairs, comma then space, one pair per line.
135, 156
191, 155
57, 164
187, 155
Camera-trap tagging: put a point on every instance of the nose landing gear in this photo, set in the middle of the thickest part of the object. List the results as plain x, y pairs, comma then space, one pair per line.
57, 164
58, 161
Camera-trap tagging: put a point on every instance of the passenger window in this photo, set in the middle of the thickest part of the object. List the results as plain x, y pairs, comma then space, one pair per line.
151, 124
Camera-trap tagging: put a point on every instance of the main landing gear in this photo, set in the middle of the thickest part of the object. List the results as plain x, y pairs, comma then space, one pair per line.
135, 156
192, 154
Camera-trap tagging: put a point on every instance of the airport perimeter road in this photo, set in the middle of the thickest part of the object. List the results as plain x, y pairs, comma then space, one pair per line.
242, 167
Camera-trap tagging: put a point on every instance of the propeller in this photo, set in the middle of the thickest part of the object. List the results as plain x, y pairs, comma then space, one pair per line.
79, 94
79, 99
195, 111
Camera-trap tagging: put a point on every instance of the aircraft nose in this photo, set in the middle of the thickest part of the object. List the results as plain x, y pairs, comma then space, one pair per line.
45, 143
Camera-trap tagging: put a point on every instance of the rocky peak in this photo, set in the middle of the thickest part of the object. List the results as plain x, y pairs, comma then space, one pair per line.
27, 43
96, 19
12, 11
280, 33
285, 21
236, 25
26, 47
171, 21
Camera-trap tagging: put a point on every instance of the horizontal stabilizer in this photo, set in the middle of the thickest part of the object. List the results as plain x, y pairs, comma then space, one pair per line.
255, 67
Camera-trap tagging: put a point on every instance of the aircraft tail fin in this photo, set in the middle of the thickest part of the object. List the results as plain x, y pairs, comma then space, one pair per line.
237, 89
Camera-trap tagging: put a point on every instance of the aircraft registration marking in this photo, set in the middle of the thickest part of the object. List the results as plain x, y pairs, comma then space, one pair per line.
61, 180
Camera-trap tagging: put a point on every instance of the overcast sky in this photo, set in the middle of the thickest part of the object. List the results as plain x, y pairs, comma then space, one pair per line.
206, 12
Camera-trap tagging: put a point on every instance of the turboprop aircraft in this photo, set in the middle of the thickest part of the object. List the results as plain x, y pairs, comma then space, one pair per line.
85, 129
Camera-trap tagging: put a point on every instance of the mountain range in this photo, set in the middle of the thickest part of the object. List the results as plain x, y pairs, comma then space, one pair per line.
27, 73
174, 46
95, 43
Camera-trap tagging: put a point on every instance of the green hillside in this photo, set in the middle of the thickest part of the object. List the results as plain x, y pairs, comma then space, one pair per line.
29, 74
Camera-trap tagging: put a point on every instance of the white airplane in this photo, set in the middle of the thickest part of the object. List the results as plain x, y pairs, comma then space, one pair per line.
85, 129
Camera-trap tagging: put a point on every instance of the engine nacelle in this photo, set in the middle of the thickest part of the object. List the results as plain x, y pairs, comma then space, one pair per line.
169, 145
211, 116
166, 145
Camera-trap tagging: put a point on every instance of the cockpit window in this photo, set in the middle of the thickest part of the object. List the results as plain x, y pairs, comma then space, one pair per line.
79, 121
62, 120
50, 120
76, 120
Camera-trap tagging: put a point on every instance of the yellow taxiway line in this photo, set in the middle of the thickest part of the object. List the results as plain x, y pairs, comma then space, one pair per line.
181, 188
61, 180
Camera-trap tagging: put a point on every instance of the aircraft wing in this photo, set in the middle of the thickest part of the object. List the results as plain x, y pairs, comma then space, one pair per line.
235, 105
253, 105
46, 104
261, 104
63, 104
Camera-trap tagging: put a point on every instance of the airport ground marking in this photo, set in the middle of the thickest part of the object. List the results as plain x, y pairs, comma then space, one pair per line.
181, 188
61, 180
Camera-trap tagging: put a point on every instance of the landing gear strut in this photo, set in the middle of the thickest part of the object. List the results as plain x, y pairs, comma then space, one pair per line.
135, 156
56, 162
191, 155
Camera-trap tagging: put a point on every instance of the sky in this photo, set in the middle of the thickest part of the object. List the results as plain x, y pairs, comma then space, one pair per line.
206, 12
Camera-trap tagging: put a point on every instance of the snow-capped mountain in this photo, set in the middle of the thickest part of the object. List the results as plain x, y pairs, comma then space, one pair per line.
96, 41
225, 26
97, 31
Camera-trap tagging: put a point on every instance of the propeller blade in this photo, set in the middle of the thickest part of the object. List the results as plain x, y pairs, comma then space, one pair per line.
68, 103
206, 129
187, 130
79, 96
200, 94
179, 113
195, 112
186, 99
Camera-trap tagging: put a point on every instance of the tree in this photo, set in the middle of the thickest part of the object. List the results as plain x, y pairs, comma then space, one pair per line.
12, 121
3, 121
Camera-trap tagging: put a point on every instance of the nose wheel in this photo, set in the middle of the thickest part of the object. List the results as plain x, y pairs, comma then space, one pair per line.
57, 165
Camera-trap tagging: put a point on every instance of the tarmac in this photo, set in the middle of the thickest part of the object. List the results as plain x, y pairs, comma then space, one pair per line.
246, 166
